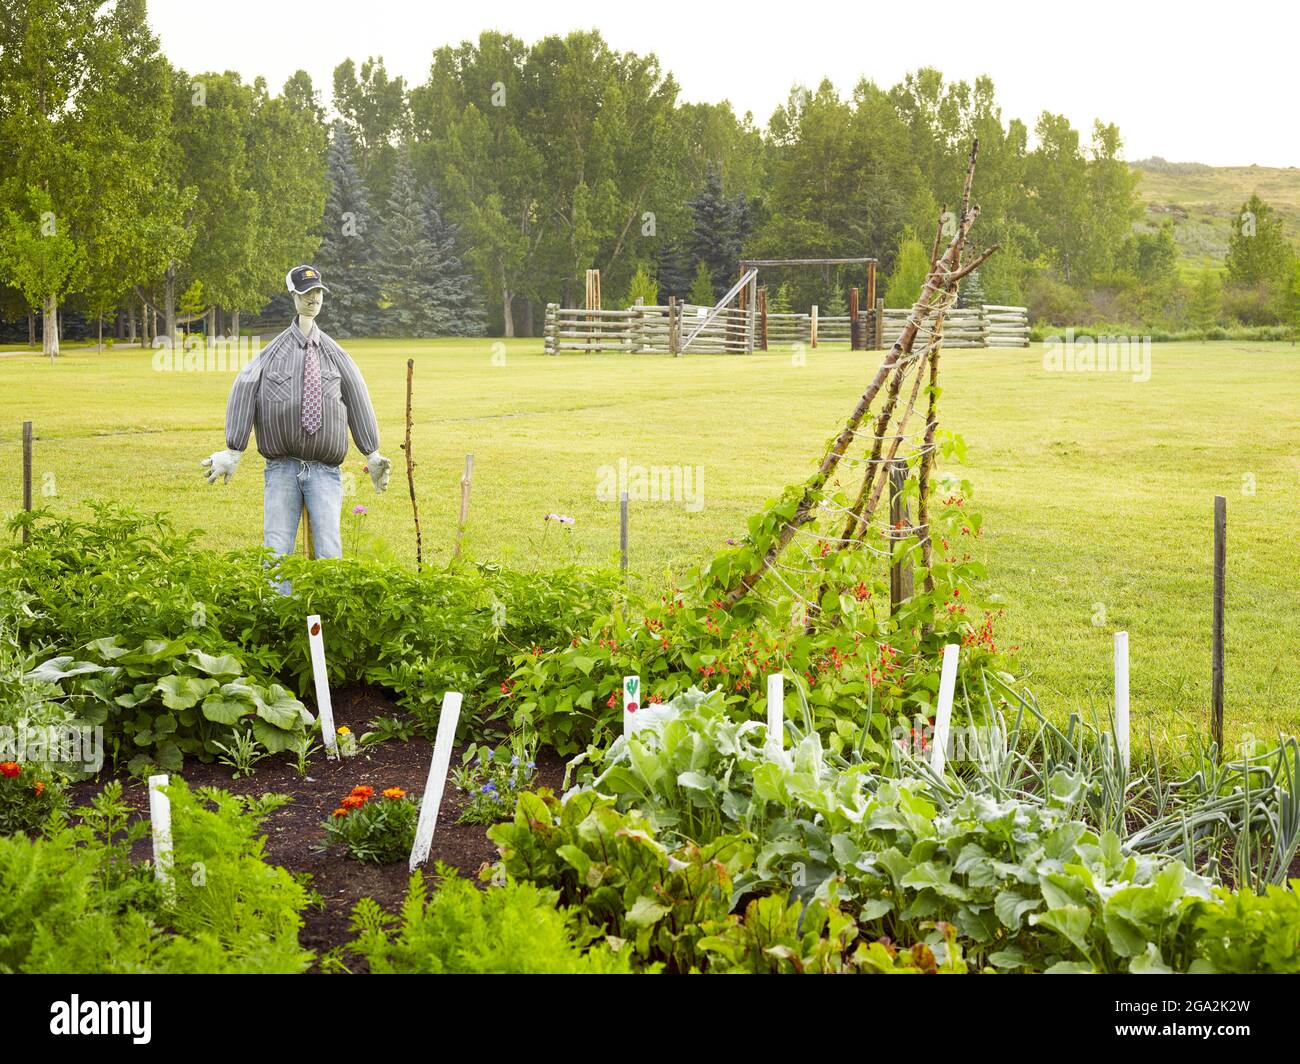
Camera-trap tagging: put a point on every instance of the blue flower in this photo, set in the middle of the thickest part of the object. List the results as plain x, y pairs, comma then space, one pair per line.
488, 788
532, 764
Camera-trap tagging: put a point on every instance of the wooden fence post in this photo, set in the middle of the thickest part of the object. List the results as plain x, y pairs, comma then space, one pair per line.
1216, 659
674, 326
878, 326
465, 482
812, 326
901, 585
855, 339
27, 472
622, 532
762, 316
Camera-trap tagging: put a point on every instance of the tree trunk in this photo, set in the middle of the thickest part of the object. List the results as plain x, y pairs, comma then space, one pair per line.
130, 323
508, 321
50, 327
99, 333
528, 318
234, 324
169, 304
31, 328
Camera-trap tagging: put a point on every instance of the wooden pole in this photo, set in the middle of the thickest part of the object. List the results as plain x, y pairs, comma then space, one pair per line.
854, 339
308, 546
622, 532
900, 573
878, 326
27, 472
871, 284
464, 501
812, 326
674, 326
410, 466
762, 317
1220, 572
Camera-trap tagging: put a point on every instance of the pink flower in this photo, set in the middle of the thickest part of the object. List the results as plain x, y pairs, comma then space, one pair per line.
359, 509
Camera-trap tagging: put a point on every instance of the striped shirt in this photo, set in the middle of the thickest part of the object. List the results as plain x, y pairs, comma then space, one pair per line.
267, 397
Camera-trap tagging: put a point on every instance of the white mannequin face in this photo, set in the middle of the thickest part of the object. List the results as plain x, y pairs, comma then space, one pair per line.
309, 303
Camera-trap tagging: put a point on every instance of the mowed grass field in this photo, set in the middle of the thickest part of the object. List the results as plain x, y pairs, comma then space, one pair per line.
1097, 491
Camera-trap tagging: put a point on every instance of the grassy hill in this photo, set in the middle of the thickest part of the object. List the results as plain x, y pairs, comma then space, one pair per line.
1202, 200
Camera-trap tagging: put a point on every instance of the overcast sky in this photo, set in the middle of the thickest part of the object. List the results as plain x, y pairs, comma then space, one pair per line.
1191, 81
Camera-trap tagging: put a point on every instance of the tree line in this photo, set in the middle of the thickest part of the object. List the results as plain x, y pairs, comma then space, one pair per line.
149, 198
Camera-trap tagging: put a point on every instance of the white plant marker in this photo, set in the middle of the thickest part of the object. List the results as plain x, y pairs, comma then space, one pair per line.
943, 712
160, 816
775, 715
437, 781
631, 700
1121, 697
324, 708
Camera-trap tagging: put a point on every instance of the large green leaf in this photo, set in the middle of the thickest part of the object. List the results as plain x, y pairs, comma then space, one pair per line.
61, 668
217, 665
1070, 922
181, 692
276, 740
646, 911
1011, 907
224, 709
280, 708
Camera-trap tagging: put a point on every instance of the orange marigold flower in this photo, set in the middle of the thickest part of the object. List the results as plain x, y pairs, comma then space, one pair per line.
394, 792
340, 811
352, 801
39, 788
10, 769
362, 791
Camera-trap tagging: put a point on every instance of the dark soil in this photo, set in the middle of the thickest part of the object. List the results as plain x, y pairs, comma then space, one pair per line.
294, 832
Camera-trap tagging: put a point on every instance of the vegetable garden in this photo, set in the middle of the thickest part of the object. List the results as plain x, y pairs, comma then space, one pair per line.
692, 831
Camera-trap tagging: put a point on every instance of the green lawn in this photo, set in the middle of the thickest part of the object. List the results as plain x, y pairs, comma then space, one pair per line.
1096, 491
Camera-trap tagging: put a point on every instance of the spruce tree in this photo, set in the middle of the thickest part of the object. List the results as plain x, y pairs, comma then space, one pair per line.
701, 293
971, 293
458, 307
407, 293
718, 231
347, 250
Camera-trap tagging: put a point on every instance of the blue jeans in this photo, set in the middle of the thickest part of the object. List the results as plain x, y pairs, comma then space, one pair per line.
291, 484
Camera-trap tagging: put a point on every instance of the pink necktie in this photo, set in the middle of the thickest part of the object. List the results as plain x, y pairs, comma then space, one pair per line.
311, 403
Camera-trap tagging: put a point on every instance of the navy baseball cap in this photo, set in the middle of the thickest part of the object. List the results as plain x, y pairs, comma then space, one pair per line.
302, 279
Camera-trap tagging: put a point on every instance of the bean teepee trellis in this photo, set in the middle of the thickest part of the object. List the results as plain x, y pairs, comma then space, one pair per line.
822, 500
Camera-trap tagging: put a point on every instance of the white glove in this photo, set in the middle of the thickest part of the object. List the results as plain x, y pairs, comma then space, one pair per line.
221, 464
380, 469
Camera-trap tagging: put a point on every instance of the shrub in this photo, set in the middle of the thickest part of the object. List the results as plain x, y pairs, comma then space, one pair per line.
74, 902
515, 927
1250, 933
